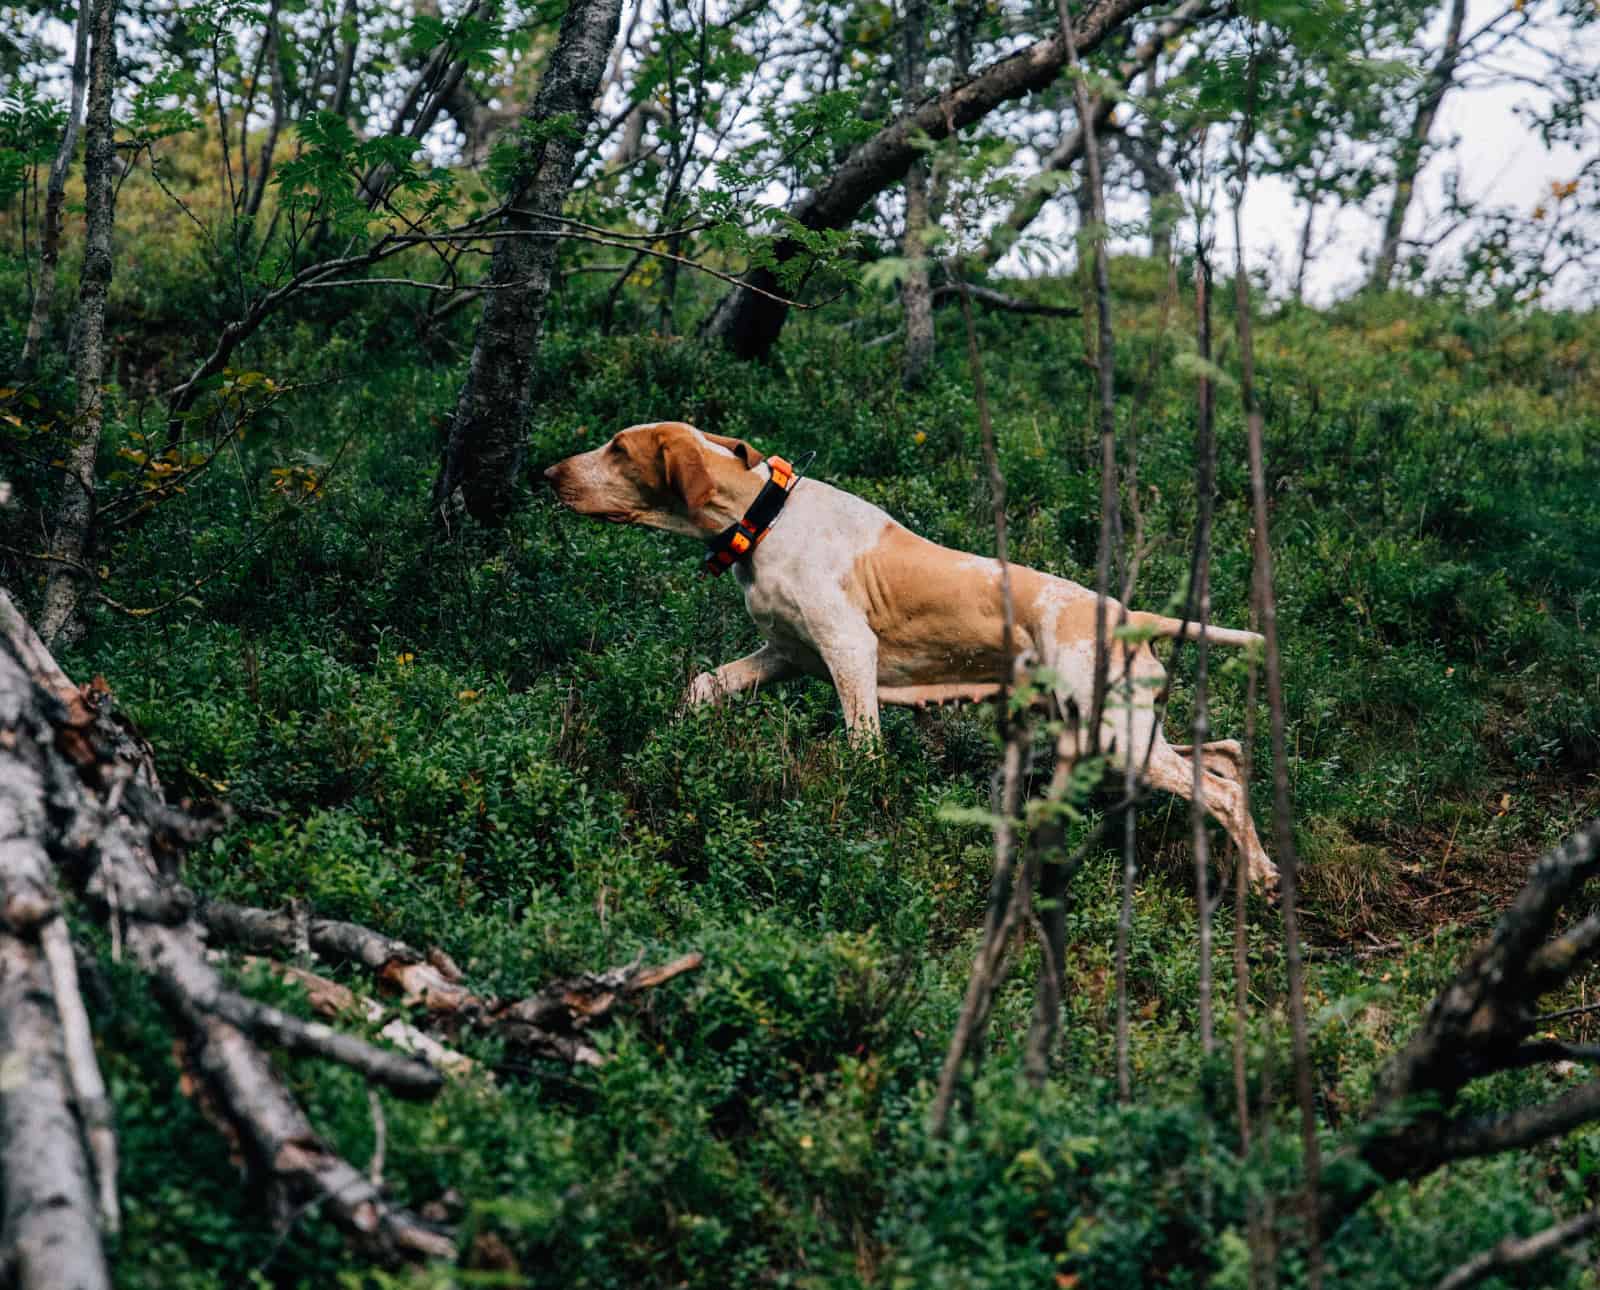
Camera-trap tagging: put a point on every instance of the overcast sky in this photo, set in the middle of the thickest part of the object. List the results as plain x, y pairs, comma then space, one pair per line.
1503, 162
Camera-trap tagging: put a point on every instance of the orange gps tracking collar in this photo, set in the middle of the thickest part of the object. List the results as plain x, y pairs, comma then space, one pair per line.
737, 541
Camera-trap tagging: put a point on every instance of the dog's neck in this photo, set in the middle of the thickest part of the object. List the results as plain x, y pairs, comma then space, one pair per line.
735, 489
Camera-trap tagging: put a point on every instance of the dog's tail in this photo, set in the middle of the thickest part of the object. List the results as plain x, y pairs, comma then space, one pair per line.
1177, 629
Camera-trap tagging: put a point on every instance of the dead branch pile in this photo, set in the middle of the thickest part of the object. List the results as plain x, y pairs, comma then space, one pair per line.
82, 818
1484, 1022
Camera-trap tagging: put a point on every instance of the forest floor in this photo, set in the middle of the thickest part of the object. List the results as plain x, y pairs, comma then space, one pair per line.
476, 742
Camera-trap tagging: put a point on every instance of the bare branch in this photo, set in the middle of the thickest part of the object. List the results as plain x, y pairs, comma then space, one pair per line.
999, 302
1514, 1252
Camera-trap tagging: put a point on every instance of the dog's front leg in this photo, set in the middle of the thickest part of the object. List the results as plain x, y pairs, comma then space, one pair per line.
766, 664
851, 657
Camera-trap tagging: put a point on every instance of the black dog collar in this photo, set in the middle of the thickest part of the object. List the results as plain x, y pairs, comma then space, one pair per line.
737, 541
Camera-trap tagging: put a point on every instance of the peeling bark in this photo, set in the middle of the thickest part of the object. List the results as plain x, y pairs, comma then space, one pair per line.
50, 1239
330, 999
50, 1235
484, 452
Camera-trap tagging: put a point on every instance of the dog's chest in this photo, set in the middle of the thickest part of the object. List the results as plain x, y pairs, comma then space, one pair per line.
777, 606
795, 588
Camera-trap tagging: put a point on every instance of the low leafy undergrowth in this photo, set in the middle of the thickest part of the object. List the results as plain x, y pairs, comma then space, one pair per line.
477, 743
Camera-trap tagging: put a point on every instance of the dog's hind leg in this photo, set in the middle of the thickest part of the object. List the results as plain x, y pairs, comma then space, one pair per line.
1166, 769
1224, 801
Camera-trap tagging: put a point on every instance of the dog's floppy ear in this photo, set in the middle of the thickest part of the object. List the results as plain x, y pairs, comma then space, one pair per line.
685, 469
739, 448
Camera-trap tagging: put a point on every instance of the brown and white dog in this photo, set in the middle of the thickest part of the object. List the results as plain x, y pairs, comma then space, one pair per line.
841, 591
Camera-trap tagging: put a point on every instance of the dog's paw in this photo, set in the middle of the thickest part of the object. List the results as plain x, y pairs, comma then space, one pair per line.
703, 689
1264, 878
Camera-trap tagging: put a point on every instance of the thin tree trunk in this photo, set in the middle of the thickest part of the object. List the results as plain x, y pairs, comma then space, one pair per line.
74, 520
1055, 871
1105, 363
1205, 476
1160, 187
749, 323
964, 19
350, 29
269, 145
1283, 830
483, 455
1304, 261
916, 293
1260, 1208
438, 82
1409, 161
1254, 1226
964, 16
54, 199
1009, 892
1110, 516
1008, 898
1083, 272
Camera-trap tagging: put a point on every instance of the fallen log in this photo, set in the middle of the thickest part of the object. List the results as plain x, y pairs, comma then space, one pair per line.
79, 798
82, 818
50, 1235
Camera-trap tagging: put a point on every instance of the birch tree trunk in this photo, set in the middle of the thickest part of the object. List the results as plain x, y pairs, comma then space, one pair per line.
1409, 162
916, 292
484, 452
70, 544
54, 199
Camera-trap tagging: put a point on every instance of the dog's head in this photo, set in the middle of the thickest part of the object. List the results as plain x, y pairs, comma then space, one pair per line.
665, 475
